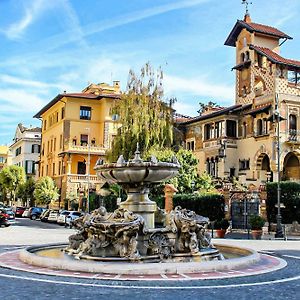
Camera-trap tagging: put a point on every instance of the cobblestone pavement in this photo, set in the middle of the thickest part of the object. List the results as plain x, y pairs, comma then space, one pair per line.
281, 284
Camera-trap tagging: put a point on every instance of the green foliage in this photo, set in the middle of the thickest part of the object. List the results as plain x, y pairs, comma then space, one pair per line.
221, 224
206, 106
256, 222
290, 197
11, 178
25, 191
187, 181
207, 205
143, 115
45, 190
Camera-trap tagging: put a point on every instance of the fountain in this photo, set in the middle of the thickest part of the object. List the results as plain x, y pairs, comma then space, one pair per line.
126, 241
129, 233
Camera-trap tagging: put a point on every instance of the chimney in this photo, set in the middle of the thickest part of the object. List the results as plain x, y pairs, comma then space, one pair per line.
247, 18
116, 85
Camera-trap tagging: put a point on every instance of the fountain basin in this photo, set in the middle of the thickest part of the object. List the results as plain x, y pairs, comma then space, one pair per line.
46, 256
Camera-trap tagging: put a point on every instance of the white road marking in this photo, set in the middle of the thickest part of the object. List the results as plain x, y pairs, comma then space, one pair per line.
152, 287
292, 256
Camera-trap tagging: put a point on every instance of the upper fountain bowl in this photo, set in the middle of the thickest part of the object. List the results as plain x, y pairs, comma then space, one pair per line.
137, 170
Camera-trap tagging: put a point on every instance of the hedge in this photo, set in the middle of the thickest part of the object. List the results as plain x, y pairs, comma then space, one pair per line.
290, 197
206, 205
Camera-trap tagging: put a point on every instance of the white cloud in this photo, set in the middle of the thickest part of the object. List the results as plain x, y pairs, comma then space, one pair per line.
32, 12
197, 87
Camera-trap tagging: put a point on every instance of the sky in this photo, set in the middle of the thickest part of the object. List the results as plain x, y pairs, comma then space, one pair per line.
47, 47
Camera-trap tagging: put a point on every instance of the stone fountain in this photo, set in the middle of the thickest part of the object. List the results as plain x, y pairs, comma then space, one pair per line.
129, 233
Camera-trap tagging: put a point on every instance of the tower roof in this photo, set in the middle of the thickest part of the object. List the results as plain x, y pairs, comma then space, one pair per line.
253, 27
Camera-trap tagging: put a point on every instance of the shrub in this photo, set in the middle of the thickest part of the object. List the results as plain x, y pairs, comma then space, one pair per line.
290, 197
207, 205
221, 224
256, 222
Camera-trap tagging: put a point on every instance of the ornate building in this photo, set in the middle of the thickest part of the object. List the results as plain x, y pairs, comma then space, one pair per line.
77, 130
241, 140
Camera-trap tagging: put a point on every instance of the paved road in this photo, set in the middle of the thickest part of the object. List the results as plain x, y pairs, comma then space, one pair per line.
282, 284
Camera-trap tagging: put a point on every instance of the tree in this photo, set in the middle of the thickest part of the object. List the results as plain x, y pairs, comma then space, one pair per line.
187, 180
144, 117
207, 106
25, 191
11, 178
46, 191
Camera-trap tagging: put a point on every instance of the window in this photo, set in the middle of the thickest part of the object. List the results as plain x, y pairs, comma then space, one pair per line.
81, 166
242, 57
294, 77
93, 142
259, 60
59, 168
60, 141
35, 148
259, 127
207, 129
62, 113
53, 169
18, 151
74, 142
45, 124
230, 128
244, 164
2, 160
218, 129
54, 147
29, 167
292, 122
85, 112
84, 139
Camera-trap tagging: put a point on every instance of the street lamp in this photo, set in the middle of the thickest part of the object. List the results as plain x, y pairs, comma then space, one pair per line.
88, 171
277, 118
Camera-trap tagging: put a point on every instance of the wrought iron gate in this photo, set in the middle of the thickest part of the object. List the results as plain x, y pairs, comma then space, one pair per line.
241, 211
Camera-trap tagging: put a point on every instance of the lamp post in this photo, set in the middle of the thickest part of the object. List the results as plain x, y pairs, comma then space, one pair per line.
277, 118
88, 171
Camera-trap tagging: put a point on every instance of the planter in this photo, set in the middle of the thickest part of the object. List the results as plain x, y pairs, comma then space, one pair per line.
256, 234
220, 233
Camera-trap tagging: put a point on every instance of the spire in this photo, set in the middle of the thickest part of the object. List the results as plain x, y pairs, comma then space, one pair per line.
247, 18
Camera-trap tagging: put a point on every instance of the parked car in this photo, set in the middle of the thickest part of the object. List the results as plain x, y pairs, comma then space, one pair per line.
44, 215
3, 219
61, 220
53, 215
9, 214
71, 217
35, 212
19, 211
26, 213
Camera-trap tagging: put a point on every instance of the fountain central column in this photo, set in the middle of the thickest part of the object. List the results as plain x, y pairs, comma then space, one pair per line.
138, 202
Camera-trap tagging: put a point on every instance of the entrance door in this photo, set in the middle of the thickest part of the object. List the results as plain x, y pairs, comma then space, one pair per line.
241, 212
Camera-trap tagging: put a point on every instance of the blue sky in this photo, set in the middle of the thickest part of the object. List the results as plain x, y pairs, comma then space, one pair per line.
48, 46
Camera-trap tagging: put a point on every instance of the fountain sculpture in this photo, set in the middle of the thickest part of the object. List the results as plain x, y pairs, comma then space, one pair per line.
129, 232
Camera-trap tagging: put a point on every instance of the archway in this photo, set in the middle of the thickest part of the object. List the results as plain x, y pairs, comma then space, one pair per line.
263, 166
291, 167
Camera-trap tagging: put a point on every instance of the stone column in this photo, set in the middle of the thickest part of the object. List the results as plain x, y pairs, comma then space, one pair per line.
69, 164
169, 190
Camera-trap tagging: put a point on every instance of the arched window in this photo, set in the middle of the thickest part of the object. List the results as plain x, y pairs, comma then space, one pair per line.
242, 57
207, 131
259, 127
292, 122
247, 56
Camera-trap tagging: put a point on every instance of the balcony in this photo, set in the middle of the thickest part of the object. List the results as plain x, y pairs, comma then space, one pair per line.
84, 149
216, 143
78, 178
293, 136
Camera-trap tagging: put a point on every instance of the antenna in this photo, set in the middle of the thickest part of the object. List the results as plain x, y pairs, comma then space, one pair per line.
246, 3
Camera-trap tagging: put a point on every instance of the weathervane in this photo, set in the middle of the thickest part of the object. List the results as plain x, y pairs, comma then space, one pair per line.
246, 2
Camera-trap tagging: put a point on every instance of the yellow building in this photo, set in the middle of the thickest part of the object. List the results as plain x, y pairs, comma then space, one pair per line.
77, 130
241, 140
5, 157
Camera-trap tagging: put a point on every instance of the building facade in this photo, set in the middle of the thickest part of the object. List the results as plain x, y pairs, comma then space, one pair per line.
77, 130
5, 157
242, 140
25, 149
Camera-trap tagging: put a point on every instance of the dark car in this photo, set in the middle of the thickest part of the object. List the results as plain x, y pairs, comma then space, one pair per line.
19, 211
3, 219
35, 212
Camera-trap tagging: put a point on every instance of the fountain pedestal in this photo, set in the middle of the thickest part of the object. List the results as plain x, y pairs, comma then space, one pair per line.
139, 203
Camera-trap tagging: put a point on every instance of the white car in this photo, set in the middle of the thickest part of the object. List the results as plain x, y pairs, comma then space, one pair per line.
26, 213
61, 220
71, 217
53, 215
